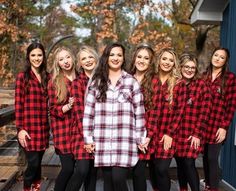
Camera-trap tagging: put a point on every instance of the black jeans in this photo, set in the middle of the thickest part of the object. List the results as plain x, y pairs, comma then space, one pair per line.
115, 178
187, 173
33, 170
67, 169
211, 165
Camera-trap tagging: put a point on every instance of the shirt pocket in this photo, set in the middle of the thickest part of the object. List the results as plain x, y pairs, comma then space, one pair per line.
125, 96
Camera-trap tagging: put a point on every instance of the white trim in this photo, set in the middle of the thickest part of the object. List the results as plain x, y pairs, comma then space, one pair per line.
229, 186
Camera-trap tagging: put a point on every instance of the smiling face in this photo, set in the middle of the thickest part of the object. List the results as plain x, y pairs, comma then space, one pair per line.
166, 62
188, 70
142, 60
65, 60
116, 59
87, 61
219, 58
36, 58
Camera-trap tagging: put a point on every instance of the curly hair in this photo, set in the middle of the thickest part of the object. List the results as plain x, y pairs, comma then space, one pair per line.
101, 74
146, 83
58, 76
175, 74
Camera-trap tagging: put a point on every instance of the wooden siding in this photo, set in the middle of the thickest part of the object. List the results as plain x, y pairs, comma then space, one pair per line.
228, 39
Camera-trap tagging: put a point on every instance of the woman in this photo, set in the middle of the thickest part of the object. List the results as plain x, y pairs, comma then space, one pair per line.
87, 59
65, 99
164, 117
190, 133
143, 59
222, 84
31, 113
114, 118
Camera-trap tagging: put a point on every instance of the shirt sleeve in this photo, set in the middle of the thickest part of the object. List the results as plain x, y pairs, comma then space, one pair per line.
88, 119
139, 112
54, 106
19, 101
204, 111
230, 98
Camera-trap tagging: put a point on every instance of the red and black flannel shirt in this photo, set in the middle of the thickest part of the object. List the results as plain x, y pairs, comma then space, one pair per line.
77, 139
61, 123
195, 118
31, 111
165, 118
150, 133
223, 105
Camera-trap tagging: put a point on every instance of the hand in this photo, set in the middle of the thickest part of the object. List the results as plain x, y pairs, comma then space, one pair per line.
71, 102
220, 135
22, 137
146, 143
141, 148
195, 142
167, 142
90, 148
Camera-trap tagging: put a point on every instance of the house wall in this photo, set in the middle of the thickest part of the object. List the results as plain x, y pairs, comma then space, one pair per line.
228, 40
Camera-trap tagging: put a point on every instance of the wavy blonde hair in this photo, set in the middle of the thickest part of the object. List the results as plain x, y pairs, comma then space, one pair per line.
58, 76
175, 74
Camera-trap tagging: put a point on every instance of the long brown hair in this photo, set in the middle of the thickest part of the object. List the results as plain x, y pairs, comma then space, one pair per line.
225, 68
101, 74
42, 67
146, 82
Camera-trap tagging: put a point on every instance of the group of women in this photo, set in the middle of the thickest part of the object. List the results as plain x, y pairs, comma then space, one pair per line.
118, 117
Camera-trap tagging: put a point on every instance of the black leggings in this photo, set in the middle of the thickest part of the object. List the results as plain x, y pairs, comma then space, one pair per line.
33, 170
81, 169
90, 181
211, 165
187, 173
152, 174
139, 178
115, 178
67, 169
162, 174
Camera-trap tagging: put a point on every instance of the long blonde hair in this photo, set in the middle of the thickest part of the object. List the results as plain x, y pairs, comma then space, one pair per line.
58, 76
175, 74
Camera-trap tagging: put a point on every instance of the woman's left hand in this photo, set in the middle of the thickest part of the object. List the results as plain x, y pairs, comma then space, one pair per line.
220, 135
195, 142
167, 142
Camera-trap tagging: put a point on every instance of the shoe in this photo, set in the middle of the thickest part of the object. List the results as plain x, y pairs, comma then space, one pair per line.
36, 186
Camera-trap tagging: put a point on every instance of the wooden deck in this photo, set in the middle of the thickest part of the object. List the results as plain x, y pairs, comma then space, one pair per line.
11, 173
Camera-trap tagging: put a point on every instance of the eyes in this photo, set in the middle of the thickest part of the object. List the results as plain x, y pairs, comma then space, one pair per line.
186, 67
66, 57
33, 55
220, 56
169, 59
119, 54
89, 57
145, 57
